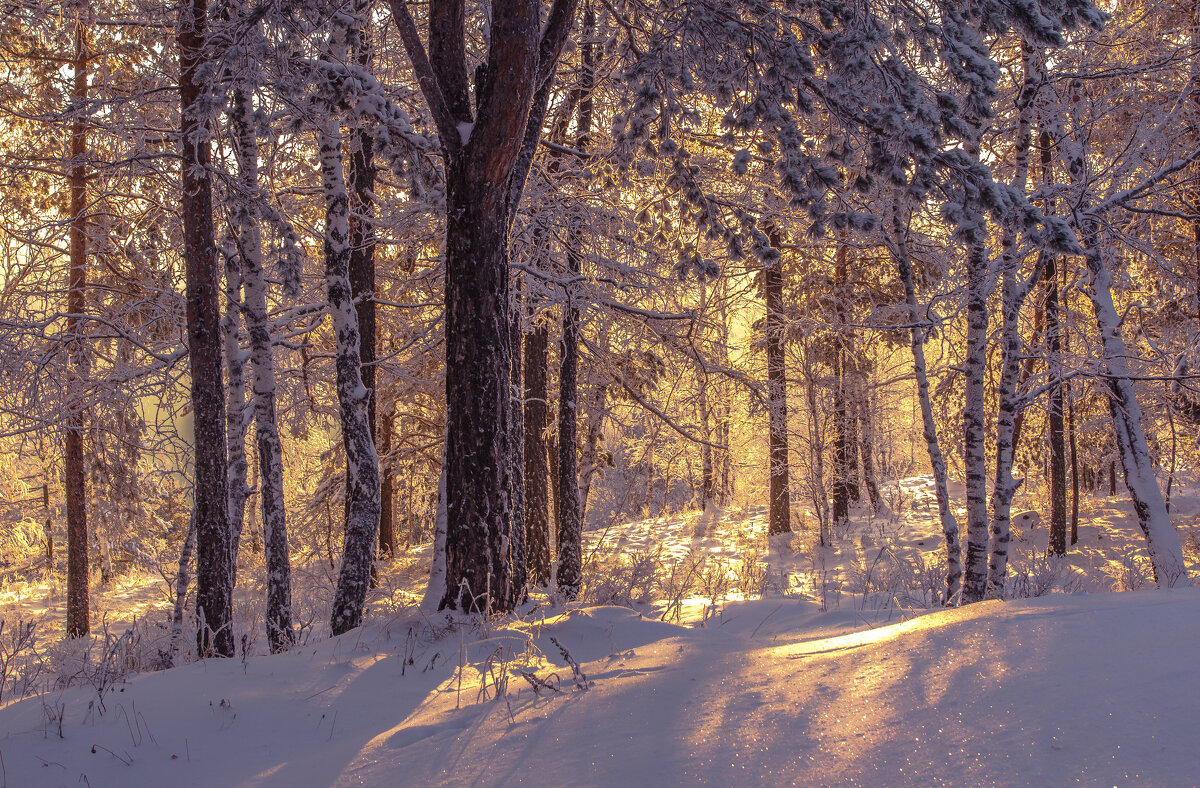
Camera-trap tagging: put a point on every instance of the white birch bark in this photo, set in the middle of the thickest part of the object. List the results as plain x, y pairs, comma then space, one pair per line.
270, 450
362, 461
1162, 543
936, 460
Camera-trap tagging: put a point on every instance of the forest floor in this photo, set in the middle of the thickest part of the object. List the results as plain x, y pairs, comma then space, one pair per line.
735, 659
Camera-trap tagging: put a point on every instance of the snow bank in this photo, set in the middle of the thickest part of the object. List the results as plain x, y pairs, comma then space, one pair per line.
1094, 688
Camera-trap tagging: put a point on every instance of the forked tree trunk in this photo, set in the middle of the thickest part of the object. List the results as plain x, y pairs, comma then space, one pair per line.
214, 542
78, 607
480, 151
266, 431
1013, 295
358, 438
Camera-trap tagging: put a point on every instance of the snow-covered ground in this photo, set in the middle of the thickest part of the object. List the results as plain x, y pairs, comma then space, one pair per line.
1091, 688
751, 661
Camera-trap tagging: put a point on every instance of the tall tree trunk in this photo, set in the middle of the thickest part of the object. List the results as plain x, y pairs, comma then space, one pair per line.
570, 514
779, 517
78, 608
358, 438
361, 269
1162, 543
1013, 295
1055, 417
974, 424
518, 550
214, 539
486, 155
477, 395
235, 403
537, 471
936, 459
258, 328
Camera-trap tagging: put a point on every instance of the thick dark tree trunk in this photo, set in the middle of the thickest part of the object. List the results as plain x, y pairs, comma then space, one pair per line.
78, 608
779, 518
214, 542
477, 393
486, 155
258, 328
537, 470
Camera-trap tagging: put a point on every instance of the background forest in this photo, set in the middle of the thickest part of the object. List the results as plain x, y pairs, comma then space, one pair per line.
302, 297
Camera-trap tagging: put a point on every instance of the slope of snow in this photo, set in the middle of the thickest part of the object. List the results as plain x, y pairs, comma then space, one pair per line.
1089, 688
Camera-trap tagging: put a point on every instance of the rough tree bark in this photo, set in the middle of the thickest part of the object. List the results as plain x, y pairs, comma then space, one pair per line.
481, 151
779, 518
78, 607
569, 572
537, 468
518, 550
214, 539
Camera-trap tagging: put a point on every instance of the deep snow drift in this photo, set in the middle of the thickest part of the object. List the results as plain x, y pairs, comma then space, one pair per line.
1091, 688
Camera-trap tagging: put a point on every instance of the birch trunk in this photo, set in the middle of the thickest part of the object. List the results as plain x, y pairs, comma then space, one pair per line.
235, 405
1013, 298
436, 590
362, 462
936, 460
1162, 543
266, 431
